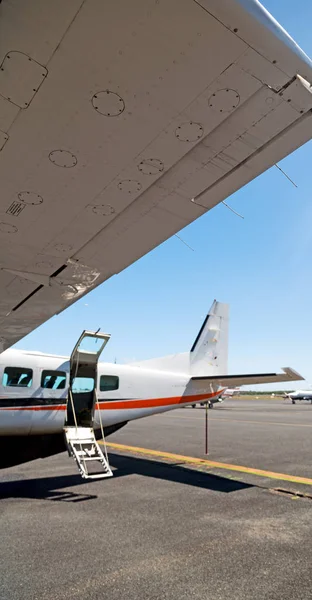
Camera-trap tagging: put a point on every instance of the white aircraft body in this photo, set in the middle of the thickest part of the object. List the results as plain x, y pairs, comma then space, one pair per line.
299, 395
35, 404
229, 392
121, 122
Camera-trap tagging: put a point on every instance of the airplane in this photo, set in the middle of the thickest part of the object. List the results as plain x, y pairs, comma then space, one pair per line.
121, 123
45, 400
299, 395
210, 403
229, 392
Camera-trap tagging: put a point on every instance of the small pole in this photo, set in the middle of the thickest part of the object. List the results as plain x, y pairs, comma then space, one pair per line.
206, 429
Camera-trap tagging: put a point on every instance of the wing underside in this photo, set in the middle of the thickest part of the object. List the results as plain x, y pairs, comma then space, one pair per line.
122, 122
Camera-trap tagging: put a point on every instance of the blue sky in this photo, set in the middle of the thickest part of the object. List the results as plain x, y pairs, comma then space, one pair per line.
260, 265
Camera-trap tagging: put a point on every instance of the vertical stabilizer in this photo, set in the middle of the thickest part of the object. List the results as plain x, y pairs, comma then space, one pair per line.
209, 353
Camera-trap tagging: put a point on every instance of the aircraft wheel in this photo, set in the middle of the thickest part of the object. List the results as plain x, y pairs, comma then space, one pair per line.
293, 401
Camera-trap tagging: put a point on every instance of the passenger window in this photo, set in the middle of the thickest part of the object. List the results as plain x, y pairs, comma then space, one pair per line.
53, 380
17, 377
109, 383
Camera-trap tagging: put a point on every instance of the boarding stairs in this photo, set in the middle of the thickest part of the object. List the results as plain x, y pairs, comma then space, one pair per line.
80, 436
83, 447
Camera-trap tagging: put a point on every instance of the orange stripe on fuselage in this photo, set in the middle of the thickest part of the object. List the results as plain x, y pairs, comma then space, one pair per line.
129, 404
156, 402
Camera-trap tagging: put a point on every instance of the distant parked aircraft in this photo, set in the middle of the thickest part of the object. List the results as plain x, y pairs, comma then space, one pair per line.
299, 395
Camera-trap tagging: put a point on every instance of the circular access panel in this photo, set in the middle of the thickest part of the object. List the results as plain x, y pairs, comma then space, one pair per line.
44, 264
189, 132
224, 100
30, 198
64, 248
269, 100
63, 158
103, 210
7, 227
151, 166
129, 186
108, 103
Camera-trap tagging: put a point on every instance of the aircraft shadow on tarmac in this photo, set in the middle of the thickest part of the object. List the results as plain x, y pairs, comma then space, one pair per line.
46, 488
55, 488
175, 472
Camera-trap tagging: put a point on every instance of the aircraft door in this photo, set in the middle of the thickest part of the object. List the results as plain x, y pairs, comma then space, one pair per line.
83, 377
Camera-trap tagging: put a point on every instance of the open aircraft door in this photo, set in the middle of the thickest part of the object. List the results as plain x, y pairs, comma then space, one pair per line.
81, 402
83, 378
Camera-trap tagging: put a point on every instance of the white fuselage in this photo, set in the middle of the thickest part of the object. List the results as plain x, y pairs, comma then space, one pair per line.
300, 395
231, 392
33, 409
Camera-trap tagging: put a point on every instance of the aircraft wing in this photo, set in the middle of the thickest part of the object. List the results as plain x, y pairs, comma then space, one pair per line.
249, 379
122, 122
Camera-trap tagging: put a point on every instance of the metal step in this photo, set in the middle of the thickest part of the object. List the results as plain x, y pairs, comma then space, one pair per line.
91, 459
79, 440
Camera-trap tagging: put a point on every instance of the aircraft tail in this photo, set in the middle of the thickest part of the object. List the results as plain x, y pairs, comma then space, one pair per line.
209, 352
207, 362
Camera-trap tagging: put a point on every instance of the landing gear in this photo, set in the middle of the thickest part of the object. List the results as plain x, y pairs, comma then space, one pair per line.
293, 401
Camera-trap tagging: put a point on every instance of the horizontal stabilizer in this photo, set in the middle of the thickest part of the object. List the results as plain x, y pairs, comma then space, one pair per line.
249, 379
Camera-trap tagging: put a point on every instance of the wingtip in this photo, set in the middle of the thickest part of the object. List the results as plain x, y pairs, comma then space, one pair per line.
292, 374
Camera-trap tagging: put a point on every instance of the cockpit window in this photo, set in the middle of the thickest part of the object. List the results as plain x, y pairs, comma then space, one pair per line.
109, 383
17, 377
53, 380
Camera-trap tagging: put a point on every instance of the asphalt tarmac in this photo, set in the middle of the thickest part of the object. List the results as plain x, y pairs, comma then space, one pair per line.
172, 523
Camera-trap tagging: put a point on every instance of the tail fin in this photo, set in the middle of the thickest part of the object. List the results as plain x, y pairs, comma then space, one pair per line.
209, 352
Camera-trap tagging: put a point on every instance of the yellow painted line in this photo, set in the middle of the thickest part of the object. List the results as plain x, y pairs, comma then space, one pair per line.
209, 463
240, 421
